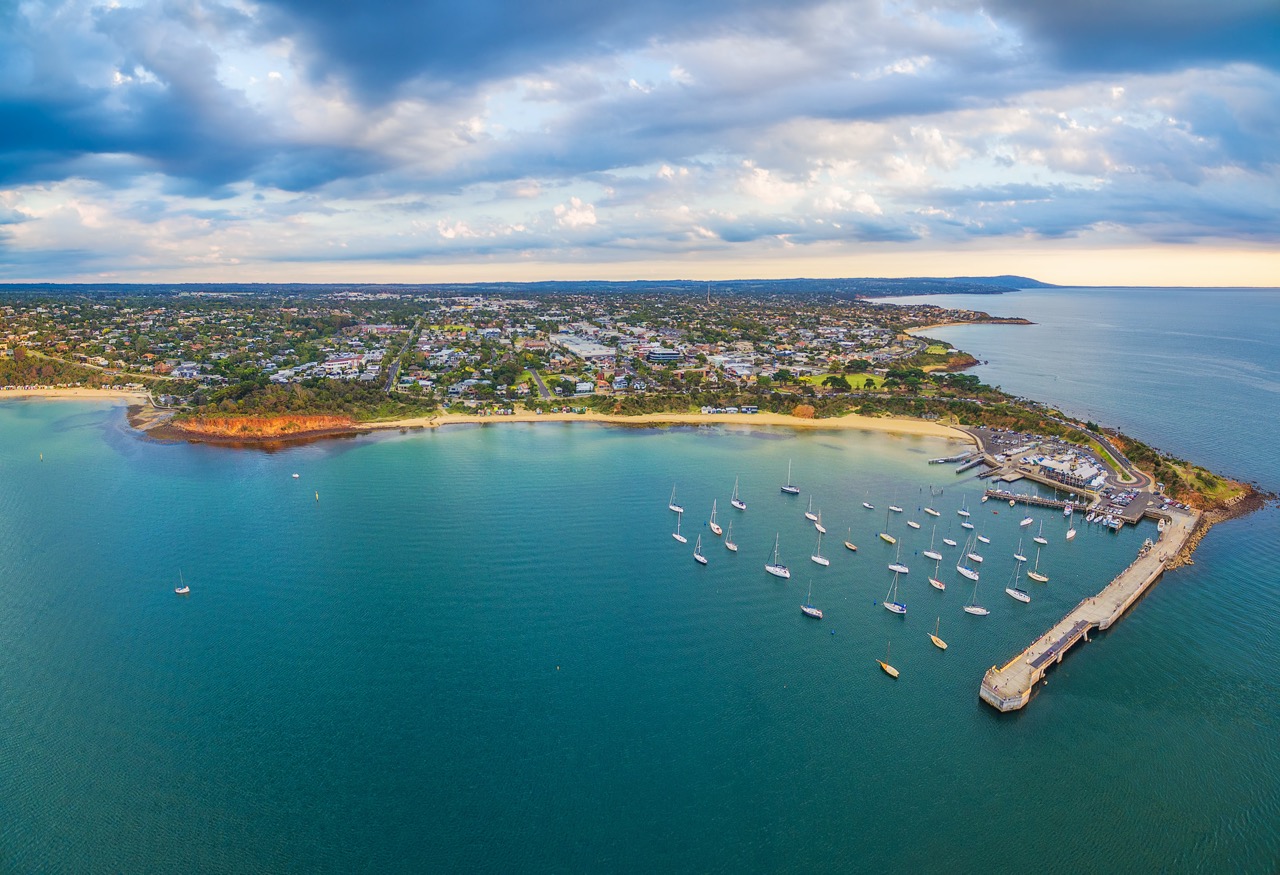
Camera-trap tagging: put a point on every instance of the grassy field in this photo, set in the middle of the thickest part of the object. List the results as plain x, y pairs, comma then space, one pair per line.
855, 380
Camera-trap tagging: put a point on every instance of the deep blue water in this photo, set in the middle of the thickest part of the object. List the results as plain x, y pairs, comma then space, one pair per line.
481, 649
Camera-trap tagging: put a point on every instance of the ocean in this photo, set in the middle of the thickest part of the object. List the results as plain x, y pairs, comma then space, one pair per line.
480, 649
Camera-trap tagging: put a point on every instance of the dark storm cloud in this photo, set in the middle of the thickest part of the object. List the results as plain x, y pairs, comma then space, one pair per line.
378, 45
1148, 35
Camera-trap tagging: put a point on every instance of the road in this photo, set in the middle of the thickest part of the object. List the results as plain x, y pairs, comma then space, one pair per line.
542, 387
394, 373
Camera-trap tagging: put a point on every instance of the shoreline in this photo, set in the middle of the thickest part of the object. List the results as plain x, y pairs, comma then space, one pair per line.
76, 393
848, 422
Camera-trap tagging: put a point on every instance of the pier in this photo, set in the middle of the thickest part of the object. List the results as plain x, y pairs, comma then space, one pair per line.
980, 460
1036, 500
962, 457
1009, 687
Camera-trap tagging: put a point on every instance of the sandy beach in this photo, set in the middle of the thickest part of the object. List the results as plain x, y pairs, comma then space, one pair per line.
133, 396
852, 421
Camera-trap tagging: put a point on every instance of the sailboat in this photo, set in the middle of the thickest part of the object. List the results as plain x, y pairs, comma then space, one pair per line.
1026, 521
848, 544
790, 489
671, 503
931, 512
913, 524
948, 540
730, 544
676, 534
868, 505
181, 588
713, 525
1071, 532
1039, 538
697, 552
776, 568
934, 581
809, 514
965, 569
1016, 591
937, 642
895, 508
896, 565
885, 536
1035, 574
817, 553
736, 501
818, 524
983, 538
891, 602
932, 553
973, 607
964, 507
884, 664
1018, 554
807, 608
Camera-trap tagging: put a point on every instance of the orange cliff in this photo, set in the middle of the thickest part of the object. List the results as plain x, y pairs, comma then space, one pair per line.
263, 427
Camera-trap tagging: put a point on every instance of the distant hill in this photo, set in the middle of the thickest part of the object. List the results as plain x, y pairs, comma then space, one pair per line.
865, 287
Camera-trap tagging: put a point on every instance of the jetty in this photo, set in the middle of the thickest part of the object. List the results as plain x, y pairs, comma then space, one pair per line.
962, 457
972, 463
1010, 686
1034, 500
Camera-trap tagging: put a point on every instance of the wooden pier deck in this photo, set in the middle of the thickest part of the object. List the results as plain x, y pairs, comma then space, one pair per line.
1035, 500
1009, 687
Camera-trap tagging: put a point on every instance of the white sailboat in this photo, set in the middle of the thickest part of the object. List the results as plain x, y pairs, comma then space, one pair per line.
948, 540
974, 556
932, 553
973, 607
736, 501
868, 505
931, 512
895, 508
807, 608
896, 565
965, 569
809, 514
790, 488
818, 524
1016, 591
676, 534
983, 538
913, 524
671, 503
181, 588
1035, 574
937, 642
730, 544
1026, 521
964, 507
1039, 538
1018, 553
891, 602
1071, 533
697, 552
712, 524
776, 568
817, 553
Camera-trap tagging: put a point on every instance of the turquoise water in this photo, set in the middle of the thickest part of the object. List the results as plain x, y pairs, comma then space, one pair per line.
481, 649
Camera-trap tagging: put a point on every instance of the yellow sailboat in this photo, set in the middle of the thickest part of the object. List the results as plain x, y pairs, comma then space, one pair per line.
937, 642
884, 664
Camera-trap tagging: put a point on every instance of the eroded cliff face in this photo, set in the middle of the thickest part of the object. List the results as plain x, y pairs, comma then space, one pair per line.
262, 427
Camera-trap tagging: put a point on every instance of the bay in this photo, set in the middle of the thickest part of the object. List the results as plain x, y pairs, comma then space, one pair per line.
480, 649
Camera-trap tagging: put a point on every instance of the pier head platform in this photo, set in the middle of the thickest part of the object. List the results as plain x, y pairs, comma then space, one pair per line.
1010, 686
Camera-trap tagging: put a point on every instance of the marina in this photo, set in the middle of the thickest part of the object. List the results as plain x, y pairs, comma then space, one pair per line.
1010, 686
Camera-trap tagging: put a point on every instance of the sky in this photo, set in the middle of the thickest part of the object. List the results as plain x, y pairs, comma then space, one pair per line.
1094, 142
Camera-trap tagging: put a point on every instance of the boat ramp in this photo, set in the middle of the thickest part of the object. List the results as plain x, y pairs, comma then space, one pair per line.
1009, 687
